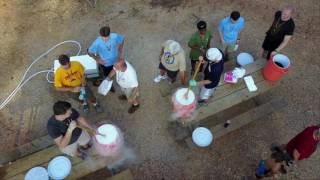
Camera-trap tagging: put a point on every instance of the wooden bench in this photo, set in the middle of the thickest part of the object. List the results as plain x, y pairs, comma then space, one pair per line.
243, 119
80, 168
228, 95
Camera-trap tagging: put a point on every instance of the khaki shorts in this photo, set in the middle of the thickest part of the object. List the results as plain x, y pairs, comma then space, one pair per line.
128, 92
72, 149
206, 93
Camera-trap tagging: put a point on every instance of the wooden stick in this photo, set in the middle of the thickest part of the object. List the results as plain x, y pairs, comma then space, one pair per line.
194, 76
91, 132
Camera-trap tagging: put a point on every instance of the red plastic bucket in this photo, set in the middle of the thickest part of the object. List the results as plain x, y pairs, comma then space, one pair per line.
276, 67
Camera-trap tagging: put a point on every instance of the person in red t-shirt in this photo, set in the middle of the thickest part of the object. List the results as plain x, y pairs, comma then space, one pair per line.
304, 144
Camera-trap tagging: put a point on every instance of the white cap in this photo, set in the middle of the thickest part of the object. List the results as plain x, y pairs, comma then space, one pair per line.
213, 54
174, 47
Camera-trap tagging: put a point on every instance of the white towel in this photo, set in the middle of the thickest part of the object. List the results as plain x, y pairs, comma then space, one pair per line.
250, 83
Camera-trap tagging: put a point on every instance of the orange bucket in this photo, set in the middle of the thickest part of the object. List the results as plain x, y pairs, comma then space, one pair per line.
276, 67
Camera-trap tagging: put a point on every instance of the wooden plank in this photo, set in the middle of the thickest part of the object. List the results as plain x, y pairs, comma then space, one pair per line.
249, 116
244, 119
250, 68
232, 99
228, 89
26, 149
30, 161
124, 175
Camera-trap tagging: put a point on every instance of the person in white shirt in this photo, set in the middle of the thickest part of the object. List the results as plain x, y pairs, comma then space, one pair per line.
126, 77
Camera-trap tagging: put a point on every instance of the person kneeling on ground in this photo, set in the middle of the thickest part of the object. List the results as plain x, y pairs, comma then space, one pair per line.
172, 61
270, 167
62, 127
70, 77
127, 79
212, 74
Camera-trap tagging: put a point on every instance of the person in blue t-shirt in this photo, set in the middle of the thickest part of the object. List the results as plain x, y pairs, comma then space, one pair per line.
229, 30
106, 49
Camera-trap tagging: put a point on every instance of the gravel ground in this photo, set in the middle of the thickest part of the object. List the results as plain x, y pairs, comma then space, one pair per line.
30, 27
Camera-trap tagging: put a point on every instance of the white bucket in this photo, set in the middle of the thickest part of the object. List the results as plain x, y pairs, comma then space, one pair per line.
59, 168
202, 137
110, 141
244, 59
281, 61
37, 173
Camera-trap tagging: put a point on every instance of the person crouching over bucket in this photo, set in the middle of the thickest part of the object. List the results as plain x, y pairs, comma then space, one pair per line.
212, 75
63, 127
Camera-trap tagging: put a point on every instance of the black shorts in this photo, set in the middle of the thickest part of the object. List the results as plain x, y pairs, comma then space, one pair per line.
105, 70
171, 74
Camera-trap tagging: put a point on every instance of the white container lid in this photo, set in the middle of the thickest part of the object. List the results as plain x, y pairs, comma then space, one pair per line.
59, 167
202, 137
37, 173
244, 59
110, 133
181, 99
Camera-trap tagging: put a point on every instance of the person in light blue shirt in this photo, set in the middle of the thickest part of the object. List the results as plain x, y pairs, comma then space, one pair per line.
229, 30
106, 49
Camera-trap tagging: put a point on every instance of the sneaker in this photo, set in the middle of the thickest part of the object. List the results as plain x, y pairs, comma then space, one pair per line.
202, 102
82, 154
133, 108
98, 108
85, 147
85, 108
122, 97
159, 78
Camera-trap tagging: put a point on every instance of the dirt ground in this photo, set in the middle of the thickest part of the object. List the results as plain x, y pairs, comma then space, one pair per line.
30, 27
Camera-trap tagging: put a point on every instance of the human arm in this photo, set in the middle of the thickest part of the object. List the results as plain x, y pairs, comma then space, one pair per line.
192, 45
120, 48
161, 53
183, 77
83, 122
282, 45
63, 141
295, 155
221, 31
93, 52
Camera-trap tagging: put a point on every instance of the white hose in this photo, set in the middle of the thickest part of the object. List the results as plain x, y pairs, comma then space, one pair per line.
23, 81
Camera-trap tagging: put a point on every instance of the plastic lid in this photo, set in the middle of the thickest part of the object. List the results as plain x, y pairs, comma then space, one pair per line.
110, 132
202, 137
59, 167
244, 59
37, 173
181, 99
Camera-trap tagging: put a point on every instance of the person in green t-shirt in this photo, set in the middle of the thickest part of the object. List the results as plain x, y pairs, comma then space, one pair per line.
199, 44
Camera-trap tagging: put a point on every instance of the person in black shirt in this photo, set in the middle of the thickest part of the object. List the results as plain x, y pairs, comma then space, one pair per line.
280, 32
62, 127
212, 74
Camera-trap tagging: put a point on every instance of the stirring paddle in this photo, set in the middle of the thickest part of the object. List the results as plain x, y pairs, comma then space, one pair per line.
194, 76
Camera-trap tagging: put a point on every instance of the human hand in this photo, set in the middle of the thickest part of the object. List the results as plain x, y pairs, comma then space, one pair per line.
201, 59
193, 83
72, 126
76, 89
273, 53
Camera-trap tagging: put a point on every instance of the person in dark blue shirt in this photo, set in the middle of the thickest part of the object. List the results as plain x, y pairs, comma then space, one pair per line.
212, 74
64, 130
